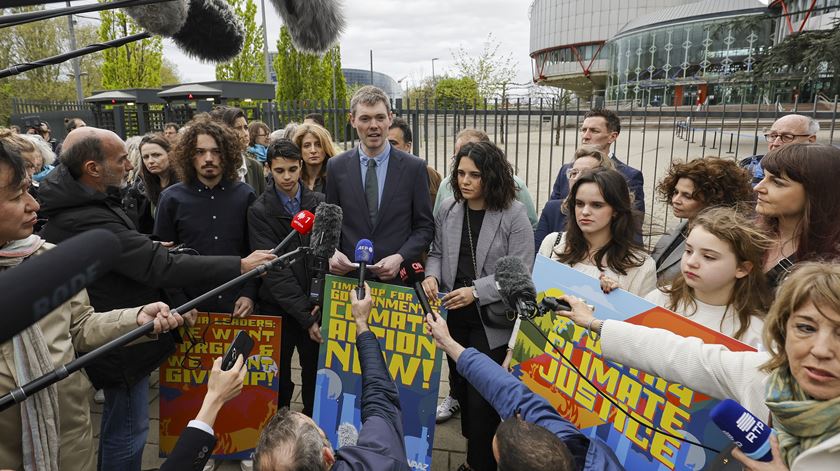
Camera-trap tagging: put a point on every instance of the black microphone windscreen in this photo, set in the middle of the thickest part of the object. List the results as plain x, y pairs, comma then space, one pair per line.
326, 233
164, 19
514, 281
39, 285
314, 25
212, 31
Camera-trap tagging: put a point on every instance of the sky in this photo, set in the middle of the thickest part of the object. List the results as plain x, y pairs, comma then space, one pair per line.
405, 36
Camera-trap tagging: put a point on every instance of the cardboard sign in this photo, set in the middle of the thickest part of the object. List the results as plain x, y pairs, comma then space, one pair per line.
184, 376
411, 356
668, 406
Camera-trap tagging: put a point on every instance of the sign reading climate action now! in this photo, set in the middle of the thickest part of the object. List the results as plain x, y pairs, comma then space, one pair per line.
411, 356
184, 376
668, 406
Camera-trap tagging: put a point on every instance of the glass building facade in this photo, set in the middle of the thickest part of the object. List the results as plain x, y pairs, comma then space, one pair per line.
686, 61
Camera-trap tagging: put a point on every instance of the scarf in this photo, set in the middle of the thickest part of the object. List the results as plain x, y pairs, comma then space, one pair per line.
39, 413
801, 423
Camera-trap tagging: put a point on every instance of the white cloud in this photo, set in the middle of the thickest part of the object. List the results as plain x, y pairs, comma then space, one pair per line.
406, 35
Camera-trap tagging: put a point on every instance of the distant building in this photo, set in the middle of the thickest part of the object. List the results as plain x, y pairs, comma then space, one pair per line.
665, 52
359, 76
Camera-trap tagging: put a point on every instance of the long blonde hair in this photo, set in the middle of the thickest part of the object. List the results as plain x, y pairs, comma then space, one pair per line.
750, 296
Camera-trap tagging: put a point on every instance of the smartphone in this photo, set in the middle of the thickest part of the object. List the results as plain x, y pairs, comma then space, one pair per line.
241, 345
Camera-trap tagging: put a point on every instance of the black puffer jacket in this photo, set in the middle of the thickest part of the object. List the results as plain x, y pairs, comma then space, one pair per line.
143, 270
286, 291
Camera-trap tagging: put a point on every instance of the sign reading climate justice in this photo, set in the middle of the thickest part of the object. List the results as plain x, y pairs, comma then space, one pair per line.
184, 376
668, 406
411, 357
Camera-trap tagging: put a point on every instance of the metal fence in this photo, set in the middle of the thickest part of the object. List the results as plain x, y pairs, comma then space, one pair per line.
539, 136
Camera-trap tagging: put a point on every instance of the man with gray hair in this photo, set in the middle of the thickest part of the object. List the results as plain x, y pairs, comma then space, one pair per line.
383, 191
292, 440
789, 129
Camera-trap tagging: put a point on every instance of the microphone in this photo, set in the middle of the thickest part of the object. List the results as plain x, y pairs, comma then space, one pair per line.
41, 284
212, 32
326, 234
164, 18
314, 25
413, 274
364, 256
302, 224
515, 285
748, 432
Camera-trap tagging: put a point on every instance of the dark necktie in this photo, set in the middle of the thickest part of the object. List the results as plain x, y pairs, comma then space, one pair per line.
372, 191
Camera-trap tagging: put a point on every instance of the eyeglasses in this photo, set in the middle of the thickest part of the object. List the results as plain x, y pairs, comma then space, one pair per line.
573, 173
785, 137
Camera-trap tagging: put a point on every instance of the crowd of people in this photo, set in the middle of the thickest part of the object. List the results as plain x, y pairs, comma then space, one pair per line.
197, 205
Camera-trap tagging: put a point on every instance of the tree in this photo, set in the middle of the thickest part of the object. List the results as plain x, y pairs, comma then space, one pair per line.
249, 65
303, 76
490, 69
134, 65
456, 92
169, 73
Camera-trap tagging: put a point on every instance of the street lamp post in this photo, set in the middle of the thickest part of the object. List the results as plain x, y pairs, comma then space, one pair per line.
434, 80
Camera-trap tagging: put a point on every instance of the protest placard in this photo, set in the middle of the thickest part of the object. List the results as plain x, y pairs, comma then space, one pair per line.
411, 356
184, 375
668, 406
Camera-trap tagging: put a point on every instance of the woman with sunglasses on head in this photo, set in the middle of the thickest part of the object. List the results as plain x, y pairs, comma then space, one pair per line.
553, 216
798, 203
316, 146
478, 225
156, 174
794, 387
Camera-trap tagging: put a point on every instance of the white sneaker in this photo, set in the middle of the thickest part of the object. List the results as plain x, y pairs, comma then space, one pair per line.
246, 465
210, 465
99, 396
446, 409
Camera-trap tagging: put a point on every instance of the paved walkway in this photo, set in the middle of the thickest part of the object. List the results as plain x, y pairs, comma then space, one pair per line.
448, 452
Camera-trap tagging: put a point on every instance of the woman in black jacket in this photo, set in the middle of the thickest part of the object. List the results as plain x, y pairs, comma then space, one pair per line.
285, 292
156, 174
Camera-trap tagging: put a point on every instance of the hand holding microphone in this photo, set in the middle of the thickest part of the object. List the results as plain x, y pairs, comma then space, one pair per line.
756, 441
412, 274
363, 256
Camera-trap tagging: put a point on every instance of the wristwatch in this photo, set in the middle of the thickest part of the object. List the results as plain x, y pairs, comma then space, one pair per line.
475, 293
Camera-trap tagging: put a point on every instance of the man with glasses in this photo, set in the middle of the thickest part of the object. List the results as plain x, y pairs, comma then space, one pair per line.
789, 129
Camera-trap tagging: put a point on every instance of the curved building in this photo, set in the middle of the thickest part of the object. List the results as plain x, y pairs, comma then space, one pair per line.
383, 81
681, 55
568, 37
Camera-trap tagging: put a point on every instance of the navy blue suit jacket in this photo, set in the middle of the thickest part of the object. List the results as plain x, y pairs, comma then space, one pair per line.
551, 220
404, 223
635, 180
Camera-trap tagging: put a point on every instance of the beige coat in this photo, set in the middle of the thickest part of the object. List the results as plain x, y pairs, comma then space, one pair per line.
73, 326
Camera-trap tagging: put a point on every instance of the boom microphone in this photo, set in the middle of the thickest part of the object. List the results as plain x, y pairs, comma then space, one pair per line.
164, 18
748, 432
413, 274
314, 25
515, 286
302, 224
363, 256
41, 284
326, 234
212, 31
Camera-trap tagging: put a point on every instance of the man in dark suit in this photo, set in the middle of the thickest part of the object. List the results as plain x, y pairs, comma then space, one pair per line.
383, 191
601, 128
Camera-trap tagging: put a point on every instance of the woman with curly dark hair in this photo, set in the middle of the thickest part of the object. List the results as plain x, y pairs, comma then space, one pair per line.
600, 237
796, 202
689, 188
479, 224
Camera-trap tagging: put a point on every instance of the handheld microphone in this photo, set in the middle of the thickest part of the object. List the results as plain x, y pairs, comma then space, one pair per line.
314, 25
326, 235
302, 224
515, 285
164, 18
212, 31
748, 432
413, 274
364, 256
39, 285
